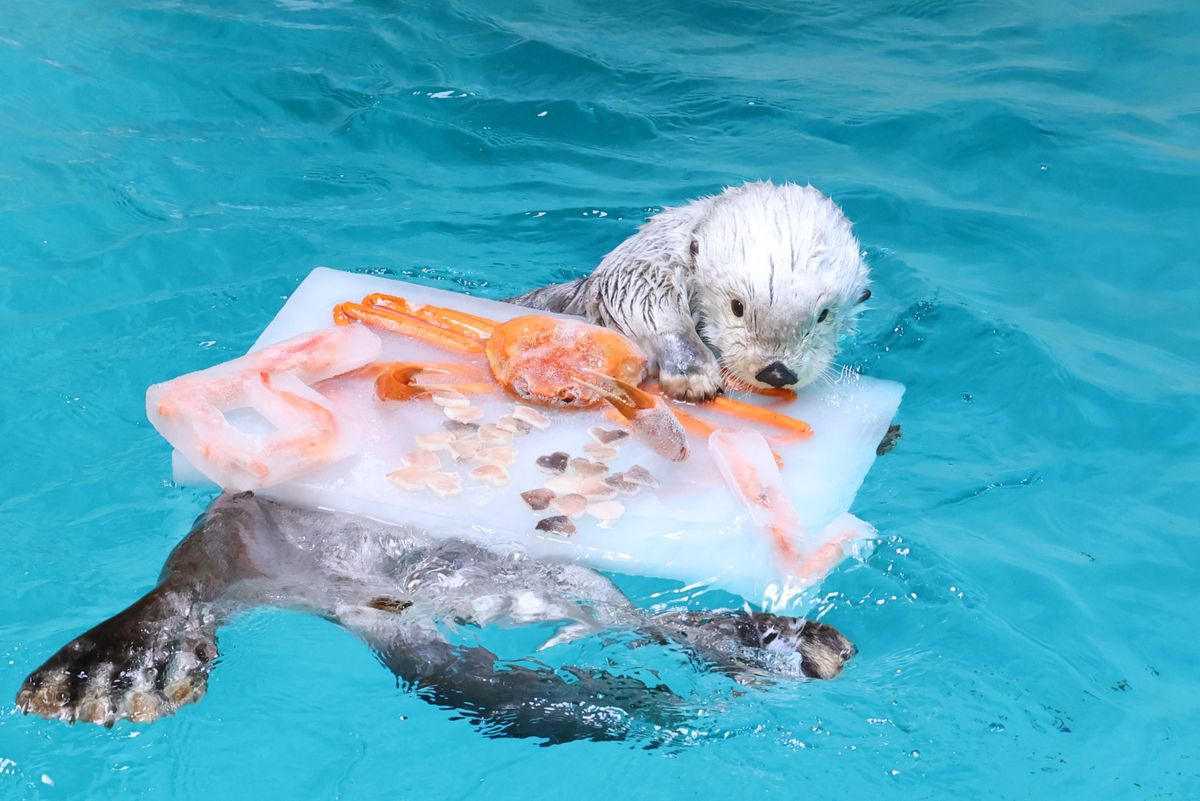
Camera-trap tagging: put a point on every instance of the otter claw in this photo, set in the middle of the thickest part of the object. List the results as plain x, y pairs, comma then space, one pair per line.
694, 387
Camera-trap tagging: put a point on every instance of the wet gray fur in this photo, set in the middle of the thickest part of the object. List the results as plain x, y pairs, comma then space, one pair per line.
393, 587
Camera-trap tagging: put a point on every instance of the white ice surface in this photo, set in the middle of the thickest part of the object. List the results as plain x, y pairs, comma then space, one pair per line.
693, 529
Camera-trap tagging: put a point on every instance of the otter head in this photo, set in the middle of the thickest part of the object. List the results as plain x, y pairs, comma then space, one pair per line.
778, 276
823, 650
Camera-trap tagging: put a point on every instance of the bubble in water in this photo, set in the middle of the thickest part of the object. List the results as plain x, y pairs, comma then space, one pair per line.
996, 727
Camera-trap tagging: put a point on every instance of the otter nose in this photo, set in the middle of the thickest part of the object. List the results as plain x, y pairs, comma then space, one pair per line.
777, 375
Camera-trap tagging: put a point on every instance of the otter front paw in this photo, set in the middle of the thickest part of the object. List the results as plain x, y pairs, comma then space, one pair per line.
120, 671
700, 383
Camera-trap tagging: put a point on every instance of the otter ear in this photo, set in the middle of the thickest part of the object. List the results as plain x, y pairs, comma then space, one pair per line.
864, 296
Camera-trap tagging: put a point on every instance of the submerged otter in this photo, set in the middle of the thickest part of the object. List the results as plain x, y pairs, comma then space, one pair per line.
392, 586
749, 288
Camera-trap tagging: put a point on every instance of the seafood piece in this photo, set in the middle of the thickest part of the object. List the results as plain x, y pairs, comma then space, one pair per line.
276, 382
622, 485
558, 524
434, 440
531, 416
570, 505
425, 460
411, 477
607, 436
468, 414
492, 474
606, 511
500, 456
444, 485
749, 470
460, 429
538, 499
450, 399
640, 475
564, 485
490, 434
464, 450
513, 425
602, 453
594, 489
586, 467
553, 463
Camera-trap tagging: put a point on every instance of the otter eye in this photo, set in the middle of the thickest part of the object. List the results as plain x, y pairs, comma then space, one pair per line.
738, 309
824, 314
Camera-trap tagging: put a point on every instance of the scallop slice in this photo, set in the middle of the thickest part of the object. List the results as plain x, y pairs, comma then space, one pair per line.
468, 414
464, 450
564, 485
570, 505
492, 474
500, 456
425, 460
444, 485
640, 475
538, 499
434, 440
513, 425
491, 434
409, 478
594, 489
607, 436
460, 429
450, 399
606, 511
601, 453
557, 524
622, 485
533, 417
553, 463
586, 467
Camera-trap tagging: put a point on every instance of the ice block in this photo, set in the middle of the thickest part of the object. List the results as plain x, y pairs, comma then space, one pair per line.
676, 520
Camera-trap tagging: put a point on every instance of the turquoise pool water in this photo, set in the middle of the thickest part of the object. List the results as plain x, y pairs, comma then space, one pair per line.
1025, 177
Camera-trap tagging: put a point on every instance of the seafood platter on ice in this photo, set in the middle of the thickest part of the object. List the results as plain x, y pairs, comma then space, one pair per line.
482, 420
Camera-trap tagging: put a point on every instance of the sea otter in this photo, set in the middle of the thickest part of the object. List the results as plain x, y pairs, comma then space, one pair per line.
750, 288
399, 590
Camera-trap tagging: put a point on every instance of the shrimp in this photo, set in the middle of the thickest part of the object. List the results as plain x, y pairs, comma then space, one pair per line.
276, 382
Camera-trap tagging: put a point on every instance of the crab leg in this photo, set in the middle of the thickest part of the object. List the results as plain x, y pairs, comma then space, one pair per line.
650, 418
405, 325
395, 380
461, 322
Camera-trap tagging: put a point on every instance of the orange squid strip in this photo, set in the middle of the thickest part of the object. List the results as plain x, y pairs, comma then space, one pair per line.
759, 414
404, 325
461, 322
770, 392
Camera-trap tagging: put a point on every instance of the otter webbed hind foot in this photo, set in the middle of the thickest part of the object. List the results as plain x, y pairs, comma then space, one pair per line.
140, 665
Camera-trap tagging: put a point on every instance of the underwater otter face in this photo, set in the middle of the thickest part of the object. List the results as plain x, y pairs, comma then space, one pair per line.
823, 649
778, 278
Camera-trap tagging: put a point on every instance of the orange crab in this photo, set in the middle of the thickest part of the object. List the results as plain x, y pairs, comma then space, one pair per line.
550, 361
